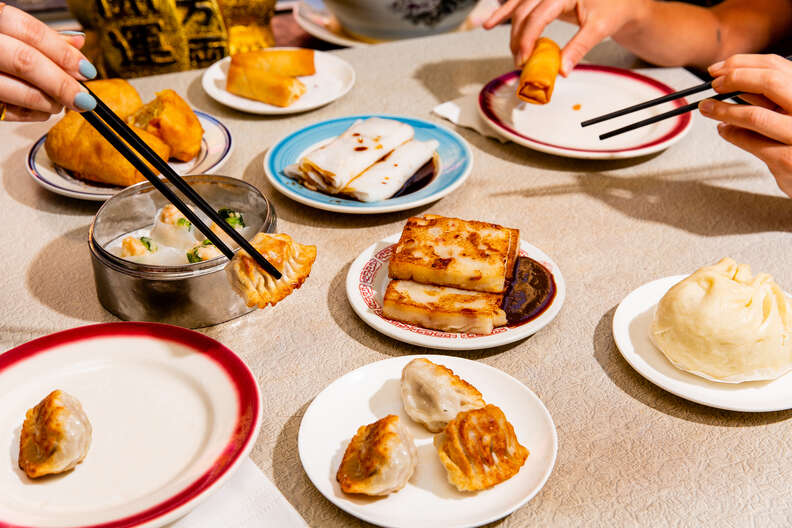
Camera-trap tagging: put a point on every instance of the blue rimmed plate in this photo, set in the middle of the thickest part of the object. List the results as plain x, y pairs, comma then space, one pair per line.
216, 147
456, 162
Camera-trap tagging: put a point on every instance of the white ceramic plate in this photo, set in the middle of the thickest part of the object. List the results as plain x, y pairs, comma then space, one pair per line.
216, 147
631, 324
455, 164
372, 392
314, 18
334, 77
173, 413
367, 280
589, 91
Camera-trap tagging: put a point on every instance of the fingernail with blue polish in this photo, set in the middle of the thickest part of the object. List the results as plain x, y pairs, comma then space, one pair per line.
84, 101
87, 69
70, 33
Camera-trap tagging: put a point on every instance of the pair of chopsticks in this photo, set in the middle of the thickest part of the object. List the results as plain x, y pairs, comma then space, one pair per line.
660, 100
118, 134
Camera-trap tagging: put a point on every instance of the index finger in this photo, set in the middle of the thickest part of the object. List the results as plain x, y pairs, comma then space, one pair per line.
21, 26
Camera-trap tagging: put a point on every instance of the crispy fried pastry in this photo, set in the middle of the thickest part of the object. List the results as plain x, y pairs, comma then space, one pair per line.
379, 459
433, 395
55, 437
285, 62
255, 285
479, 449
172, 120
539, 73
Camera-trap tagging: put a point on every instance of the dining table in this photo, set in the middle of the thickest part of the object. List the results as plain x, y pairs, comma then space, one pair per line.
629, 453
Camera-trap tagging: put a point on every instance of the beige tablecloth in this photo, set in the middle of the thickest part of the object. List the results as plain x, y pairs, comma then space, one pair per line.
629, 452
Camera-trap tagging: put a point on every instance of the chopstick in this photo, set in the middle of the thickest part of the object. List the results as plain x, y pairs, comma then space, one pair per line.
108, 124
678, 111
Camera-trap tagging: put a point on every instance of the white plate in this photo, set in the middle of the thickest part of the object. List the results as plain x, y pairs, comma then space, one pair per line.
631, 324
367, 280
555, 127
216, 146
334, 77
372, 392
173, 413
315, 19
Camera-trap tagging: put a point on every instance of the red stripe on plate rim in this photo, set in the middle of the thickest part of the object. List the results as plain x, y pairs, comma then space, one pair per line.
244, 383
489, 90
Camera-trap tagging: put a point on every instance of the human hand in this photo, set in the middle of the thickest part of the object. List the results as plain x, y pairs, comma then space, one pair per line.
598, 19
39, 69
764, 127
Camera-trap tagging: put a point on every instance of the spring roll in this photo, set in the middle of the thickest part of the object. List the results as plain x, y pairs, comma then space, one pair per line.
288, 63
539, 73
354, 151
263, 85
388, 175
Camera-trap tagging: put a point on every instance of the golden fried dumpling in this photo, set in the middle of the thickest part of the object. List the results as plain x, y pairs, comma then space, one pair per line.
55, 436
479, 449
172, 120
379, 459
258, 287
433, 395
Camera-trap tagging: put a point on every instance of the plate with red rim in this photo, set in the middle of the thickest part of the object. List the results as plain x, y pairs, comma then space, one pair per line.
372, 392
367, 280
174, 413
589, 91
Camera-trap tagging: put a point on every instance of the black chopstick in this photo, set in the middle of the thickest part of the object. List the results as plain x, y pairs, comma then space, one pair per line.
111, 120
660, 100
666, 115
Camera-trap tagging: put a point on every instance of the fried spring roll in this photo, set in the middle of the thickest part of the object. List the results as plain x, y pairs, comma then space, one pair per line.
288, 63
539, 73
263, 85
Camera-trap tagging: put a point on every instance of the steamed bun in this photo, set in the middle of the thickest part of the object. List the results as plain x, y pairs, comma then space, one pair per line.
724, 324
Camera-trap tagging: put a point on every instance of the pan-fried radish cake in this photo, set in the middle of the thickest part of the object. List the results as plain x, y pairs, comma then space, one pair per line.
374, 159
464, 254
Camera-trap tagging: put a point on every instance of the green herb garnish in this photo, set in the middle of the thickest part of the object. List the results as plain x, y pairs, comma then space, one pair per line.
183, 222
192, 255
233, 218
150, 244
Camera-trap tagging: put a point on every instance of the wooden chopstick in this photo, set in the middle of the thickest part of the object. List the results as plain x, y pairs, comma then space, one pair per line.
666, 115
647, 104
112, 123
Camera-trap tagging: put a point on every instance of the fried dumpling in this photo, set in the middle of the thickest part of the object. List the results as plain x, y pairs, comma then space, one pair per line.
379, 459
55, 436
433, 395
173, 121
255, 285
479, 449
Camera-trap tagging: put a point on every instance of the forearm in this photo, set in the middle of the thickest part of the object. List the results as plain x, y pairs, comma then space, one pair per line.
676, 34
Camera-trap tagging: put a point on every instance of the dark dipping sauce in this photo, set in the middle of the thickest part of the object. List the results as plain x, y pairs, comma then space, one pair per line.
419, 180
531, 291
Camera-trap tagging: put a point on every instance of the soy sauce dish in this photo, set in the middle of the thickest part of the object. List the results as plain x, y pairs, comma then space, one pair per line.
188, 286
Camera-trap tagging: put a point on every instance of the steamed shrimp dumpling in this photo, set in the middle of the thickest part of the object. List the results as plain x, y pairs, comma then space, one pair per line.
171, 228
55, 437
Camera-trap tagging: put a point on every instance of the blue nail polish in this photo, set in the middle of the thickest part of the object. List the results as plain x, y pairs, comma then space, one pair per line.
87, 69
84, 101
70, 33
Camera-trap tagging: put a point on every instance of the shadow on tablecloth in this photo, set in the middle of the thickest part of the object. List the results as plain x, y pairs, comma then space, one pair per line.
634, 385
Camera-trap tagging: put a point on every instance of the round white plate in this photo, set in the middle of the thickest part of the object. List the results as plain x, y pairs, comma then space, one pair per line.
314, 18
173, 413
594, 90
631, 324
216, 146
372, 392
456, 162
334, 77
367, 280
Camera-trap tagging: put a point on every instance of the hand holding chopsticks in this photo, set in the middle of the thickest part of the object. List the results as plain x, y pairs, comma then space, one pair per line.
123, 139
664, 99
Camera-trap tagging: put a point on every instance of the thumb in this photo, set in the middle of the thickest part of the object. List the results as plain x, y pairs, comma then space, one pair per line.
577, 47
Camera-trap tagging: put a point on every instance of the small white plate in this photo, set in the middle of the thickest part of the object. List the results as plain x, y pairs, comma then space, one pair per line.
589, 91
631, 324
216, 146
334, 77
367, 280
315, 19
372, 392
173, 413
